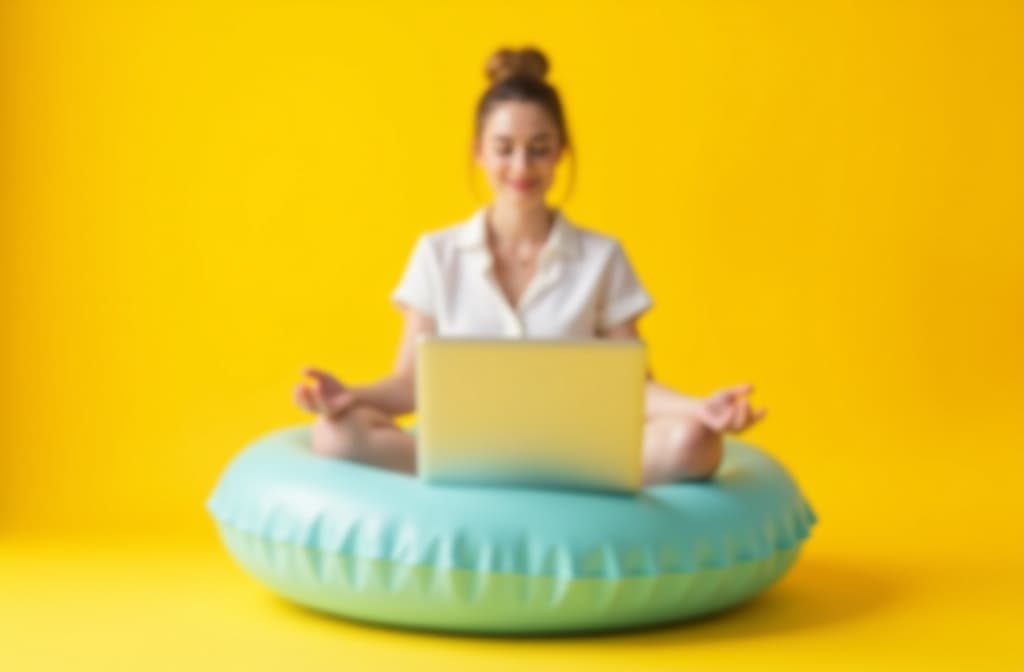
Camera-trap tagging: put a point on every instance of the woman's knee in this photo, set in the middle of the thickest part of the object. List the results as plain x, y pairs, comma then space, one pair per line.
683, 448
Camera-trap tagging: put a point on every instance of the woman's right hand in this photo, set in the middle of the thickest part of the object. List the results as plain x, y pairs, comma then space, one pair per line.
325, 394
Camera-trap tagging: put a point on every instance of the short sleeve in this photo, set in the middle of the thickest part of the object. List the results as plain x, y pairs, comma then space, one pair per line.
624, 297
416, 287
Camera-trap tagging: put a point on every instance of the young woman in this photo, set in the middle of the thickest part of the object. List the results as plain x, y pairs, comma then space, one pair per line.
519, 269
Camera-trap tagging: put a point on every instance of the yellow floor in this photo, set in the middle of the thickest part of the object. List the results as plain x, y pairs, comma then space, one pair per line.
147, 605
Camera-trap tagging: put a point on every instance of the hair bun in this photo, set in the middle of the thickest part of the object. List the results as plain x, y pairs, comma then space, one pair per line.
528, 63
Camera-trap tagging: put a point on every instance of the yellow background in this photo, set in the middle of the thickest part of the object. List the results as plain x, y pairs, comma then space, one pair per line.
200, 198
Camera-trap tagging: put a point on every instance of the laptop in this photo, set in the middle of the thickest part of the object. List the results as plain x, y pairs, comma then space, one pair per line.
543, 413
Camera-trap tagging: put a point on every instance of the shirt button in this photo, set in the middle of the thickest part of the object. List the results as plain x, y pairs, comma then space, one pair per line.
513, 326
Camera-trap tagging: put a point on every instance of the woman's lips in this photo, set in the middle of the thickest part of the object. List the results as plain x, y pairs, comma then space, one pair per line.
521, 186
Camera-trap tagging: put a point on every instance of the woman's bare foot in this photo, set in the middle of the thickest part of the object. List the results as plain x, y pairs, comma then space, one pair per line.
367, 435
347, 436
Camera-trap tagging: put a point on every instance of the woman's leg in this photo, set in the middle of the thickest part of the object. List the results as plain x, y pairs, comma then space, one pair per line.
677, 447
367, 435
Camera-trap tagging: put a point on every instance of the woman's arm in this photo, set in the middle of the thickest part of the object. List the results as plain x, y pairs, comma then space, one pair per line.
396, 394
725, 410
658, 399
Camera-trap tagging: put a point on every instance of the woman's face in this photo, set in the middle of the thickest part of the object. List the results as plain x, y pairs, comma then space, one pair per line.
519, 148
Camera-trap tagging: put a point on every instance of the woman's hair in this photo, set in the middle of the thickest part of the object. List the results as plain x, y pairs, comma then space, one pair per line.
518, 74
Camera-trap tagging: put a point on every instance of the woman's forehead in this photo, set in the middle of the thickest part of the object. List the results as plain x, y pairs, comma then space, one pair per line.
515, 120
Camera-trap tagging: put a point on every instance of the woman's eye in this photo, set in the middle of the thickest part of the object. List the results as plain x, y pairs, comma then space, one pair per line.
538, 152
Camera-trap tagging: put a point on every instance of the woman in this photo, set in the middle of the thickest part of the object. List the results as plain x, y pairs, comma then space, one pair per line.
519, 269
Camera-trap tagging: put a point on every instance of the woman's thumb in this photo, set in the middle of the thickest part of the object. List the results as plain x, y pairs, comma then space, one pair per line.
338, 402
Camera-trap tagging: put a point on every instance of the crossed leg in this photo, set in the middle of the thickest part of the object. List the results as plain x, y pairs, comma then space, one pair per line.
676, 446
368, 435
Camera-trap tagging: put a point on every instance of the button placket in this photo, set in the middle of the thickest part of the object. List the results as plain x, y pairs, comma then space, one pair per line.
547, 276
511, 319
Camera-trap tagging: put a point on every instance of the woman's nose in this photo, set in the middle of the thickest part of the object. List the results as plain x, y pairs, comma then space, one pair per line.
520, 161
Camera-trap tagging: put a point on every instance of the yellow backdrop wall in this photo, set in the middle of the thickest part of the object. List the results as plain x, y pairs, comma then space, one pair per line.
203, 197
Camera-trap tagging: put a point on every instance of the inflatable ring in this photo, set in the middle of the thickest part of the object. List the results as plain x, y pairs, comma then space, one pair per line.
380, 546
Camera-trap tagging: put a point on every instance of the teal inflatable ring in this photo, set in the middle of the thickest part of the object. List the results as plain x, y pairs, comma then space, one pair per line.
384, 547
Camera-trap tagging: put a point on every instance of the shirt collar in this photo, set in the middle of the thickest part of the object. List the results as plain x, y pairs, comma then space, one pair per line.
562, 239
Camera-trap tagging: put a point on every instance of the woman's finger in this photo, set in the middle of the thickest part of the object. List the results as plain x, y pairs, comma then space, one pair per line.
319, 395
305, 397
735, 418
709, 420
741, 389
728, 396
328, 383
707, 415
712, 423
741, 417
720, 399
319, 374
339, 403
722, 419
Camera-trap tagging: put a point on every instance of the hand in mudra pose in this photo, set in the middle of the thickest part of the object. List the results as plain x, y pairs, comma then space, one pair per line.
350, 425
682, 439
326, 395
728, 410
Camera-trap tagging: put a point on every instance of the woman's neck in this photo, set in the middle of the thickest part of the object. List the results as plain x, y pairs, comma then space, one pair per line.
512, 224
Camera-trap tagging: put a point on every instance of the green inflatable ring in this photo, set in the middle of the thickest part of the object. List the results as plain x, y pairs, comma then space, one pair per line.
379, 546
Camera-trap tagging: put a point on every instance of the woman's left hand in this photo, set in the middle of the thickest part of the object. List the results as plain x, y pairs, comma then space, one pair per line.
728, 410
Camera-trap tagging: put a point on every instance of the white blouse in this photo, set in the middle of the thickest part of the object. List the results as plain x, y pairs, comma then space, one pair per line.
584, 282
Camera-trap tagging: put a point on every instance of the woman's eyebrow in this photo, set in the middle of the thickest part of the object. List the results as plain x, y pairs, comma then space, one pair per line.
509, 138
